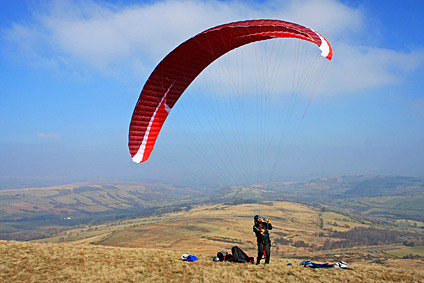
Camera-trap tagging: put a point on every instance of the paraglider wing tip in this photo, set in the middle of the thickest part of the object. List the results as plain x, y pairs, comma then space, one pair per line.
326, 50
137, 158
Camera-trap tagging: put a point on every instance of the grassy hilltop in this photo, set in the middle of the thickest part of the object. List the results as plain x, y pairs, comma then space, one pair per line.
127, 231
26, 262
150, 248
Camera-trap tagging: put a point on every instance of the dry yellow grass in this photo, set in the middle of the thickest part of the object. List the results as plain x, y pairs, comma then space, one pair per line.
36, 262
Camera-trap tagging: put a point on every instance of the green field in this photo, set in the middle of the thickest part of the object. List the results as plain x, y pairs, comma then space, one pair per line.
404, 251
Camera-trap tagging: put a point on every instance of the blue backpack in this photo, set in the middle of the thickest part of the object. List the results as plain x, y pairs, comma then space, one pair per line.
186, 257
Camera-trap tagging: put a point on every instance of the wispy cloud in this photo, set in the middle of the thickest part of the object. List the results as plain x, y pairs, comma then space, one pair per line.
419, 107
133, 39
48, 136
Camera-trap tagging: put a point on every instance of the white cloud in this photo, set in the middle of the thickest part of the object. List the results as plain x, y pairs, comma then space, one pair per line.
331, 18
358, 68
135, 38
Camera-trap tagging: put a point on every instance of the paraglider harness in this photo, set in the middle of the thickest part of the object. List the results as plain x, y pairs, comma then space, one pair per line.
261, 228
237, 256
337, 265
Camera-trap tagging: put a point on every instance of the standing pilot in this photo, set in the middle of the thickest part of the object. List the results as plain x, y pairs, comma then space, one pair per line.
261, 229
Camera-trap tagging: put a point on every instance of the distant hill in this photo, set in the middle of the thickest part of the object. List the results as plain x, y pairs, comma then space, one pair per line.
341, 186
40, 212
74, 199
388, 198
23, 211
386, 186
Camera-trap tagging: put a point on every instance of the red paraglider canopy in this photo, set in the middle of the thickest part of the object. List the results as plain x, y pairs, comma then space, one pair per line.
180, 67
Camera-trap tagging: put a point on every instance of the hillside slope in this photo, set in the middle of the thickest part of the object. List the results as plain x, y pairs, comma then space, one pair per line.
25, 262
205, 228
298, 230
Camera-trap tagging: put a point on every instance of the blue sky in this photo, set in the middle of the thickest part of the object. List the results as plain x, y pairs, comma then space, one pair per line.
71, 73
